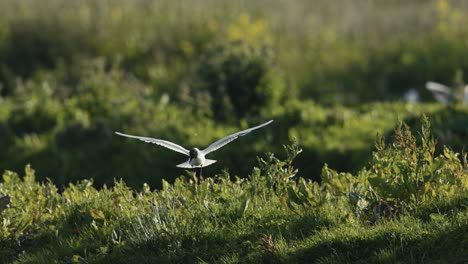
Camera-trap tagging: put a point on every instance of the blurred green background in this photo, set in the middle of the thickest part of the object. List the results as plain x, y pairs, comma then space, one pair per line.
332, 74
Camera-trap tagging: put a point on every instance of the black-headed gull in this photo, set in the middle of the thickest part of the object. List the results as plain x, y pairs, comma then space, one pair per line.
196, 157
445, 95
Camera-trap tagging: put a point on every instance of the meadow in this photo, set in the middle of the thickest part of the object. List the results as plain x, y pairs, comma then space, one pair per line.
349, 172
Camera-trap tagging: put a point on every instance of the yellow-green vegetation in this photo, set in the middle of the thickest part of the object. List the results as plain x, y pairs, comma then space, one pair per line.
333, 50
408, 206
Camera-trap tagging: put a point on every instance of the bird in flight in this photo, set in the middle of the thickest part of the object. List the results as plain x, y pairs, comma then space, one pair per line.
445, 95
197, 157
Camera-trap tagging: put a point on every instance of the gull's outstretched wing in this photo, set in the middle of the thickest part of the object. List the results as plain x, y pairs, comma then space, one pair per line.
465, 95
440, 92
160, 142
222, 142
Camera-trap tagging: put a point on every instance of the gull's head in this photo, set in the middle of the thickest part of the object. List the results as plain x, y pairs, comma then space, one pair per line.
194, 153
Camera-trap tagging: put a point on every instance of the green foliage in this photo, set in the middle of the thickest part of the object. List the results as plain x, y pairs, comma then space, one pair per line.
406, 173
351, 73
73, 73
239, 79
270, 216
409, 173
66, 131
316, 45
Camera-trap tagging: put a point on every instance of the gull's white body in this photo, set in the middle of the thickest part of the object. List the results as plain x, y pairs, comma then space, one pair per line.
198, 161
197, 157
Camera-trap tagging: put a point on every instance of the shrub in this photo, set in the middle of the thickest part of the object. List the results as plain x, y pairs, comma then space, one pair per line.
405, 173
240, 79
408, 172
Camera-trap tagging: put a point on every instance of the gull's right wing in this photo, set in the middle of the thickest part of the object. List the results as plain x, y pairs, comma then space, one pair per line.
160, 142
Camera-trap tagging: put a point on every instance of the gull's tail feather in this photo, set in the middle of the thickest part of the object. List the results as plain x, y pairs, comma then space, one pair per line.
187, 165
208, 162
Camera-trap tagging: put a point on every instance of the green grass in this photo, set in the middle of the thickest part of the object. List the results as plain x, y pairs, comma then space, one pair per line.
266, 232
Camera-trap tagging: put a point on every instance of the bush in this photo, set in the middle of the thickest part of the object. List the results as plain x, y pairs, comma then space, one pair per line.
408, 173
405, 173
240, 79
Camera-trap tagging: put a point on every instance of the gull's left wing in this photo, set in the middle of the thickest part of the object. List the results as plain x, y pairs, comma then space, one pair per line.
222, 142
